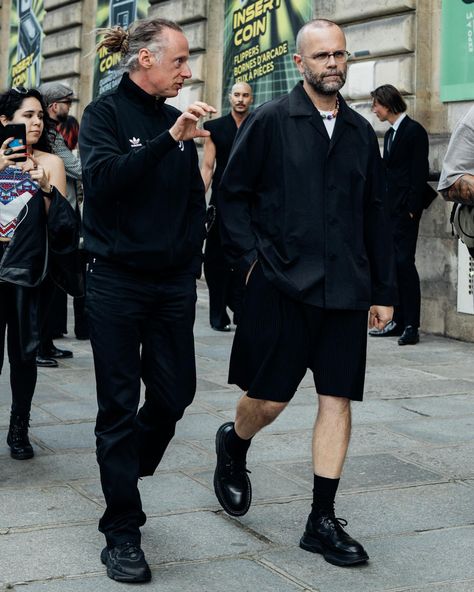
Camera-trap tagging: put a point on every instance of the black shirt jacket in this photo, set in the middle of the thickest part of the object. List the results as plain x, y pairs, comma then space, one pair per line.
310, 208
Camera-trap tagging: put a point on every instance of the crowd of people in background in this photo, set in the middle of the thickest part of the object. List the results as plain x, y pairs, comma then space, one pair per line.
118, 204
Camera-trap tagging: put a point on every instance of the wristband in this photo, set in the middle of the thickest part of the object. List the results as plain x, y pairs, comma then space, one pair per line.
48, 193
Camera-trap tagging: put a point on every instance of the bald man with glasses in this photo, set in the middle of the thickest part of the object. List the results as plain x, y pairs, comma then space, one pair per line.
303, 216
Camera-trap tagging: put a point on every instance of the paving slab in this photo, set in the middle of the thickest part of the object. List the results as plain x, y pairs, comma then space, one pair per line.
197, 425
437, 431
457, 462
182, 455
66, 436
368, 472
38, 416
51, 553
47, 469
83, 410
395, 561
164, 493
370, 513
382, 388
44, 506
236, 575
460, 405
197, 535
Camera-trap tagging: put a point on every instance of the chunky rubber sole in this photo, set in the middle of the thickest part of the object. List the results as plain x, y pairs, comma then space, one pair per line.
217, 488
313, 545
25, 456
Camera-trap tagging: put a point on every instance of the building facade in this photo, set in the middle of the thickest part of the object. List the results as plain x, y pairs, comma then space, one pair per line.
391, 41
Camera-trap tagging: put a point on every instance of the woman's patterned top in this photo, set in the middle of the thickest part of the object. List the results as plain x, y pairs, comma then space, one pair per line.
16, 190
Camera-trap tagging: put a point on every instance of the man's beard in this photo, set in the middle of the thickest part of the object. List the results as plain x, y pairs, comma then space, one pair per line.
61, 117
316, 81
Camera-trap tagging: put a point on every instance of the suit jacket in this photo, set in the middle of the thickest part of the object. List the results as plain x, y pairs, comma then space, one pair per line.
407, 168
310, 207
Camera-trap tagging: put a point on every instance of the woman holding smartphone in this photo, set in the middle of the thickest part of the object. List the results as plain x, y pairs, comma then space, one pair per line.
32, 186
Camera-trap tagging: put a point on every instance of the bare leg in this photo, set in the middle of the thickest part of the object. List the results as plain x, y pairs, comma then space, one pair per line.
331, 436
254, 414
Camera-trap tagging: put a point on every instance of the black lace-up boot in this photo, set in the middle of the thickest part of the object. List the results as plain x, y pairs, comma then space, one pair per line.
17, 439
324, 534
231, 481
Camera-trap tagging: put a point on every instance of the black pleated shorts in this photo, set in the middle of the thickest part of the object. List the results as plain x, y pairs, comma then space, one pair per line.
279, 338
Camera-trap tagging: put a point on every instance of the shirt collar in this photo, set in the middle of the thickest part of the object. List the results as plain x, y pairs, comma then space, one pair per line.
397, 123
301, 104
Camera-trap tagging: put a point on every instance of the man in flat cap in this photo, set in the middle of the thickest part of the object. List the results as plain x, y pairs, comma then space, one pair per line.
58, 98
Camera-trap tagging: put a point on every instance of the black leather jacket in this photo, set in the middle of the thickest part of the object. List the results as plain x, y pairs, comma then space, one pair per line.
41, 243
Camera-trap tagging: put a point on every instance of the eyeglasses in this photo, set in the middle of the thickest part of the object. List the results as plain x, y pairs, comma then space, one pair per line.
21, 90
340, 57
65, 101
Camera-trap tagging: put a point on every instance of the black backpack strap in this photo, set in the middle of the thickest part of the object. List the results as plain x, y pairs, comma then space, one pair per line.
451, 217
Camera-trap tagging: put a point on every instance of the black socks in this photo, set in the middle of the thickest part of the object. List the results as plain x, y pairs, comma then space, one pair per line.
236, 446
324, 494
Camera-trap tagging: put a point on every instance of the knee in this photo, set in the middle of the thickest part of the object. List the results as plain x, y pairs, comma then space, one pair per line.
270, 410
334, 406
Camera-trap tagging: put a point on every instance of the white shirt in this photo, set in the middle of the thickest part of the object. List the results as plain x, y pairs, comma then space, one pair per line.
329, 123
395, 125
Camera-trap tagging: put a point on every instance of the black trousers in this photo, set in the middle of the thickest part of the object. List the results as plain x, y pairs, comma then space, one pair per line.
52, 304
226, 286
141, 327
80, 318
15, 301
405, 235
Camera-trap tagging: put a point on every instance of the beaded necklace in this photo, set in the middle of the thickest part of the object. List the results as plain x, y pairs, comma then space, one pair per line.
332, 114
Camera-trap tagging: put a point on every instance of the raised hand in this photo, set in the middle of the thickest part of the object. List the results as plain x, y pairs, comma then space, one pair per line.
185, 127
8, 155
38, 174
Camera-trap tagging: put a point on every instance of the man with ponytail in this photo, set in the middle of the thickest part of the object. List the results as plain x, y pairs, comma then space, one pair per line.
144, 226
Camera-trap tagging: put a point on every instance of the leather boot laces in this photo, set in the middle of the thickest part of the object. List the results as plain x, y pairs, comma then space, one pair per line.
237, 468
337, 522
19, 429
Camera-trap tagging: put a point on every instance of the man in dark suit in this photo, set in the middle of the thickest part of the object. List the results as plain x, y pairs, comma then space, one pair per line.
225, 284
303, 215
406, 160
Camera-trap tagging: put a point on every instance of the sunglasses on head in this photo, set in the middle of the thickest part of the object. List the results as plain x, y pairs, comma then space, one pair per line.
21, 90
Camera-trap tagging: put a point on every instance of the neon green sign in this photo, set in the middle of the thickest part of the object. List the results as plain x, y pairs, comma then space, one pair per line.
457, 50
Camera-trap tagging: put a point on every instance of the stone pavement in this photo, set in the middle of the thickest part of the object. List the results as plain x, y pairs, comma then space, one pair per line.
407, 490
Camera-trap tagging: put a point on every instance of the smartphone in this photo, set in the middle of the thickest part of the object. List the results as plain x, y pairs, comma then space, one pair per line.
18, 132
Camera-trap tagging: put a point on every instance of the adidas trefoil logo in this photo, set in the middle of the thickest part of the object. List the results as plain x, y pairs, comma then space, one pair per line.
135, 142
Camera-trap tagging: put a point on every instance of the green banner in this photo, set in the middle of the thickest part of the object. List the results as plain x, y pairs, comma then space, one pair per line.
107, 74
259, 43
457, 50
26, 36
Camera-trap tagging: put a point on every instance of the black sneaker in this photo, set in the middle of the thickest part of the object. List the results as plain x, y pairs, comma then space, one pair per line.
231, 481
126, 563
324, 534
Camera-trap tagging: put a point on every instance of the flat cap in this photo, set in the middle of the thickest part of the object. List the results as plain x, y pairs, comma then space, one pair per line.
55, 91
